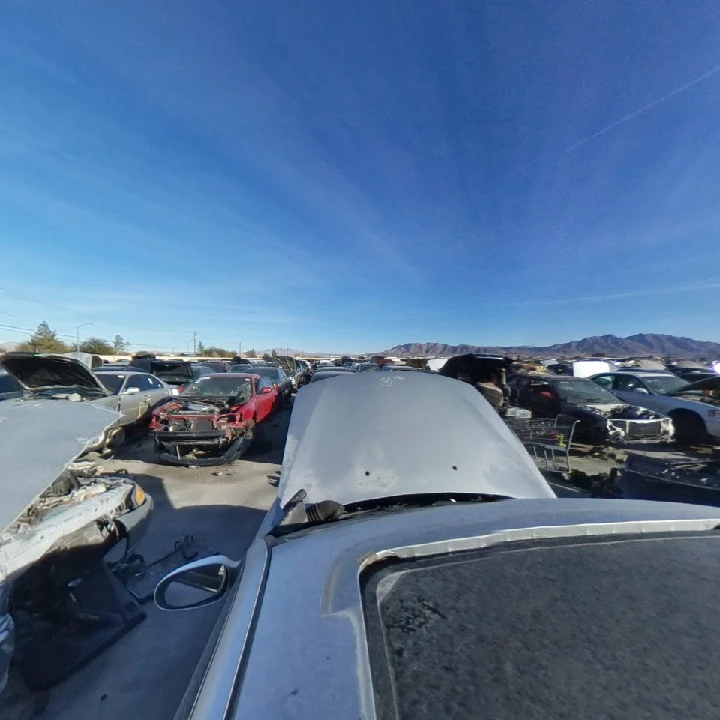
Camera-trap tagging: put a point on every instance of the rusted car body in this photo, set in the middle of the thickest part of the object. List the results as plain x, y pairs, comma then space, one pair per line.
214, 420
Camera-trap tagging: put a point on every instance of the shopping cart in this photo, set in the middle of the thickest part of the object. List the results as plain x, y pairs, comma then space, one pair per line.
547, 439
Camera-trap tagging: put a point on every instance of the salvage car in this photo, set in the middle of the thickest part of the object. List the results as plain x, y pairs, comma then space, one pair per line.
131, 393
693, 407
58, 521
393, 578
601, 418
213, 420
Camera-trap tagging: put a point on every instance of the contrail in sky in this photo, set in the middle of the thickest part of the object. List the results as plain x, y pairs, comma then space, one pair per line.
612, 126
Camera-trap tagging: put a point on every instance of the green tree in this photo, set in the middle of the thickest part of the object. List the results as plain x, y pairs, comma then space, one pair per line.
213, 351
97, 346
266, 357
200, 348
120, 345
250, 354
44, 339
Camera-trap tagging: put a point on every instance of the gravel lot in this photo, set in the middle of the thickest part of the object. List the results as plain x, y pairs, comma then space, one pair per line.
145, 674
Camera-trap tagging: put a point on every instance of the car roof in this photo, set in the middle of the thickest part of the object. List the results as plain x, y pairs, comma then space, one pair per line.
121, 371
359, 439
329, 567
644, 373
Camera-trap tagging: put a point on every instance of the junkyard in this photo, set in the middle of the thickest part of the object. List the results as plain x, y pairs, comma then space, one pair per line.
102, 517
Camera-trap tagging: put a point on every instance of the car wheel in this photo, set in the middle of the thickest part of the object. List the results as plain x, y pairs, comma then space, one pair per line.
689, 427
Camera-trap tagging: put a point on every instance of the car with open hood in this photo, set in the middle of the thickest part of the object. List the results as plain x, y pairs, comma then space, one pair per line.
602, 419
131, 393
693, 407
415, 564
214, 420
58, 521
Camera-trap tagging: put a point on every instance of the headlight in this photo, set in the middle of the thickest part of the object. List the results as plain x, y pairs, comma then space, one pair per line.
139, 496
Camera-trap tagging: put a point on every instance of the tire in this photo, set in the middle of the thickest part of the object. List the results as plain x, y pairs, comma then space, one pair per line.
689, 427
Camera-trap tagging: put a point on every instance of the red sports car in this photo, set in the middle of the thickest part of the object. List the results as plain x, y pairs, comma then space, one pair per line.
213, 420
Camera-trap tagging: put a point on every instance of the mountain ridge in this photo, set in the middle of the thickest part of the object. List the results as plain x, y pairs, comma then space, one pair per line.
640, 344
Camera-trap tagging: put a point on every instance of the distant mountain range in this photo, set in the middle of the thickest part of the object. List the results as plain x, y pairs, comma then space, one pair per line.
643, 344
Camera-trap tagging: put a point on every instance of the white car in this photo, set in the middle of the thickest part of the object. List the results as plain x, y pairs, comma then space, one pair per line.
694, 408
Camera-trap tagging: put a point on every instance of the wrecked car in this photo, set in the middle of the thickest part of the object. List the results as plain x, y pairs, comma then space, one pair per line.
58, 521
177, 373
213, 420
601, 418
130, 392
693, 407
442, 579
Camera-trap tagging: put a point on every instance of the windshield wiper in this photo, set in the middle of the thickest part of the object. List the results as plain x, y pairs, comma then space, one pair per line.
298, 516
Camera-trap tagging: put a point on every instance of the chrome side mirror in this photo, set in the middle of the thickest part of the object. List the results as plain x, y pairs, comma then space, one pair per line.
196, 584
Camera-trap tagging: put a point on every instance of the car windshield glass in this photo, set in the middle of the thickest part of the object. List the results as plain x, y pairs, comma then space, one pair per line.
223, 387
664, 383
112, 383
268, 372
587, 391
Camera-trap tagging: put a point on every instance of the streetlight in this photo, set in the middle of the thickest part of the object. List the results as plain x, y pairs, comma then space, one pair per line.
77, 335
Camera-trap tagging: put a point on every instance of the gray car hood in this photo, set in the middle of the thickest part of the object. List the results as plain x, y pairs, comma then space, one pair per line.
372, 435
39, 440
40, 372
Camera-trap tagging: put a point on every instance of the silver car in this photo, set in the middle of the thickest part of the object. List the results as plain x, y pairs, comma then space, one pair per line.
130, 392
416, 565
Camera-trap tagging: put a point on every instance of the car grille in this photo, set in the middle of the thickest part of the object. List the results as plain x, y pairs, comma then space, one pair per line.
644, 429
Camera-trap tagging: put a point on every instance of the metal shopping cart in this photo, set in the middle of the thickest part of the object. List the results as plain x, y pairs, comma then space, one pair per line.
546, 439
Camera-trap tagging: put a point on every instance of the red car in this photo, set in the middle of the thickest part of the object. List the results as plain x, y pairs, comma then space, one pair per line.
213, 420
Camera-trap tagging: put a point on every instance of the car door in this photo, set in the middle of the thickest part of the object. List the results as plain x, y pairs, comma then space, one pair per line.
158, 391
632, 390
135, 399
265, 399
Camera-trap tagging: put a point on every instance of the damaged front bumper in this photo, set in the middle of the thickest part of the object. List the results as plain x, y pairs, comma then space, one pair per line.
204, 449
660, 430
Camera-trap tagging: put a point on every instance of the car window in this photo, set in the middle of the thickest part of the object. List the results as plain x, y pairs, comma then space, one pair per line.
111, 382
138, 381
604, 381
627, 383
154, 383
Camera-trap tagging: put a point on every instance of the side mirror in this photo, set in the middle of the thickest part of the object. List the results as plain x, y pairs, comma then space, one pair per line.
196, 584
131, 391
641, 390
266, 390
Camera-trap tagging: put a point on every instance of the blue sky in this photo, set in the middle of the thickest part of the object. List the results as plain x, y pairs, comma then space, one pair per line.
347, 176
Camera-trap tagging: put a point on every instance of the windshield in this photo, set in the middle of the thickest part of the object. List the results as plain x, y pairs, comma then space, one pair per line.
583, 391
218, 387
662, 384
268, 372
112, 383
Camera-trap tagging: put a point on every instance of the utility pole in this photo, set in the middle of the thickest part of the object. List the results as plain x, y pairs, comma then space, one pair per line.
77, 335
195, 343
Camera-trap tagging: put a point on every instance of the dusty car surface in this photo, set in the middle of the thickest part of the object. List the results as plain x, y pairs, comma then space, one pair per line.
415, 587
132, 394
58, 520
213, 420
602, 419
693, 407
